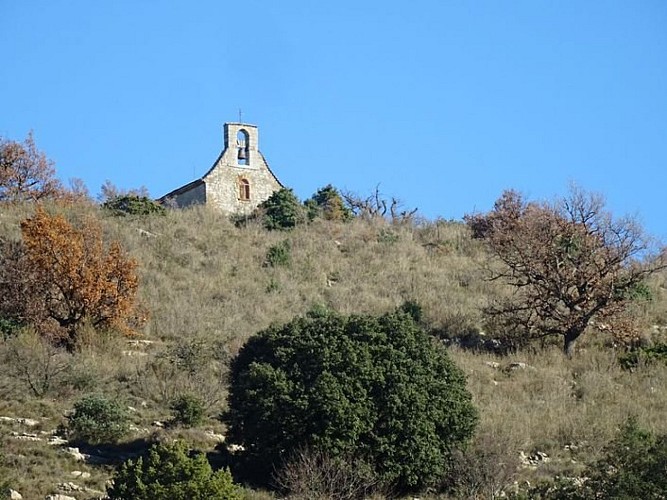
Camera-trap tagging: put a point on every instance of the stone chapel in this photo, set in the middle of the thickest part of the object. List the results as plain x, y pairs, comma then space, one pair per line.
239, 180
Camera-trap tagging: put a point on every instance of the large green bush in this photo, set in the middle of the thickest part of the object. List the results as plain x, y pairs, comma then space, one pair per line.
373, 388
97, 419
168, 473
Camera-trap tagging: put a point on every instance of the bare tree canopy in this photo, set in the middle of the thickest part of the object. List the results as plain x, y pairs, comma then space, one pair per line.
376, 205
569, 262
26, 174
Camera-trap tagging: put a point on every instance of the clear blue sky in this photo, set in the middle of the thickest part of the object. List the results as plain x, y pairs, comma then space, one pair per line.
442, 103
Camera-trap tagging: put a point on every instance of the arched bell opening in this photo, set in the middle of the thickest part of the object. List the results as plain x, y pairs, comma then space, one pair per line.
243, 147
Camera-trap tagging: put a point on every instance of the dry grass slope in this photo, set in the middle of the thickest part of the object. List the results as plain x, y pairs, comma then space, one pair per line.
208, 287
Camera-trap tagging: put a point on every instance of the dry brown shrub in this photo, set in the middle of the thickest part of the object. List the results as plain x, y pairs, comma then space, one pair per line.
33, 364
314, 475
485, 470
187, 367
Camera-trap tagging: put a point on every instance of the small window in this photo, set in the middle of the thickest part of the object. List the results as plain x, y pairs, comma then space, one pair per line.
244, 189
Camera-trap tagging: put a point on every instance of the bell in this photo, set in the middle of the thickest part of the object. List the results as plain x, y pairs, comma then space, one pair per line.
242, 154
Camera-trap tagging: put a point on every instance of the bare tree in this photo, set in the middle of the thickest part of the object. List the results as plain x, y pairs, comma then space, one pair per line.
26, 174
569, 262
314, 475
109, 191
376, 205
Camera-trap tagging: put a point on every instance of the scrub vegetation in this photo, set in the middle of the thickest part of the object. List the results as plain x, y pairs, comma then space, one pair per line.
369, 342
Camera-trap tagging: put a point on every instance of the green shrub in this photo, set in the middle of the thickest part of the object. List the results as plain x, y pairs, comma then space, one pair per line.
9, 327
375, 389
633, 358
328, 204
633, 466
97, 419
272, 286
413, 309
189, 354
133, 205
5, 489
5, 482
168, 473
282, 210
387, 236
187, 410
279, 254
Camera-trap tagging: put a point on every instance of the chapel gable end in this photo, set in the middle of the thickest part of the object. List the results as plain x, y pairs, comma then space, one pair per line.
239, 180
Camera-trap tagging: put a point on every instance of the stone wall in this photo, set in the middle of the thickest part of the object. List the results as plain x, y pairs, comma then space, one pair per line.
194, 196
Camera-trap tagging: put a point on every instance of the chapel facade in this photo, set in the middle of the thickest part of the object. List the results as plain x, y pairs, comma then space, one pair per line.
239, 180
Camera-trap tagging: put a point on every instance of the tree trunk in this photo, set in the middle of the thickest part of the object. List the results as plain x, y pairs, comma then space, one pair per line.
570, 338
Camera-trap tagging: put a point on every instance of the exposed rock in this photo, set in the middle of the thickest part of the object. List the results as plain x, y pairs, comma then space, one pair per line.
69, 487
140, 343
139, 430
517, 487
146, 234
25, 436
220, 438
492, 364
56, 441
157, 423
78, 456
28, 422
134, 353
59, 497
532, 461
78, 473
15, 495
518, 365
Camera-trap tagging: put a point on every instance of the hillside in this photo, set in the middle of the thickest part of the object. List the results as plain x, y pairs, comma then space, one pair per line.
209, 285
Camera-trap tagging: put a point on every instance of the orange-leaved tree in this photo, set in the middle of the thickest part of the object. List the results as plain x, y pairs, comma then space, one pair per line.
75, 279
